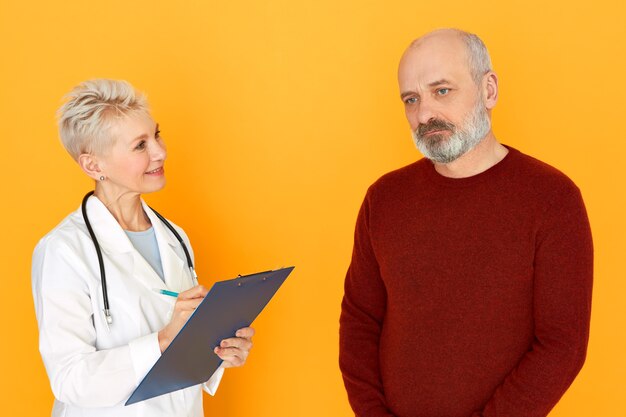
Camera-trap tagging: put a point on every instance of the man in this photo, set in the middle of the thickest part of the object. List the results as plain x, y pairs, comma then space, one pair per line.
469, 290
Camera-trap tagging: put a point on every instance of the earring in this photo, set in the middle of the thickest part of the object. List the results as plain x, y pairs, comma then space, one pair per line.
101, 177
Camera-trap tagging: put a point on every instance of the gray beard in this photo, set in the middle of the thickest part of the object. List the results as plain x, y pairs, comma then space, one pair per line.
439, 149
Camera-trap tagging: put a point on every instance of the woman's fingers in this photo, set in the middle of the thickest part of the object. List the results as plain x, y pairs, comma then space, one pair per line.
189, 300
245, 332
198, 291
186, 303
231, 356
235, 350
237, 342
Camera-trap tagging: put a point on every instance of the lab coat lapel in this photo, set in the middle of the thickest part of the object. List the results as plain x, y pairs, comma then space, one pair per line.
113, 241
172, 255
109, 233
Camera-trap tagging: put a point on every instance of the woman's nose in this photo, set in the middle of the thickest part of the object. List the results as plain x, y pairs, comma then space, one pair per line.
158, 151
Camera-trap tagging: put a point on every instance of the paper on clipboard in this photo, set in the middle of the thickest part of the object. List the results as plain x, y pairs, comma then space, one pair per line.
189, 360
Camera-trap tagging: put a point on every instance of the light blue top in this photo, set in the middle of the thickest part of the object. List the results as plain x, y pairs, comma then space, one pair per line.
146, 244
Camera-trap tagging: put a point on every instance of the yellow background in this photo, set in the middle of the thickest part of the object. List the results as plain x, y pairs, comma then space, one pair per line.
278, 114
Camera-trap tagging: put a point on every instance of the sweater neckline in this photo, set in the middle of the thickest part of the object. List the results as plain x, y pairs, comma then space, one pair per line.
486, 175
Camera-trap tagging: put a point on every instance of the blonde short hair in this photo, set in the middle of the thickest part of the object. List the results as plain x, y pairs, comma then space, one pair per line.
90, 110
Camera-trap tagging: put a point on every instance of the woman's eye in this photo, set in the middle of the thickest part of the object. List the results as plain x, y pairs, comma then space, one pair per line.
141, 145
157, 134
443, 91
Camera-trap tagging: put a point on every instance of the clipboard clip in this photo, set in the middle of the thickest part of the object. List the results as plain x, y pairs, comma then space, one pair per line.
239, 284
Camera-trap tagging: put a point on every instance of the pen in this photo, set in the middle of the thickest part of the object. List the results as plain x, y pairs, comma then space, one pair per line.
166, 292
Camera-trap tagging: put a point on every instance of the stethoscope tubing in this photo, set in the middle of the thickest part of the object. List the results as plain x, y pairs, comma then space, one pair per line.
105, 293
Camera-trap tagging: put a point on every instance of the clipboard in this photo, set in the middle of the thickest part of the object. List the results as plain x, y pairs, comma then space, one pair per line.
189, 360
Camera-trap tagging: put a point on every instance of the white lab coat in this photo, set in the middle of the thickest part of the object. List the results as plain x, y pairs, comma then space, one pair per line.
93, 368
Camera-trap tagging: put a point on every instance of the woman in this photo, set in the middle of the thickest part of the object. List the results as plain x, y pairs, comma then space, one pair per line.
96, 357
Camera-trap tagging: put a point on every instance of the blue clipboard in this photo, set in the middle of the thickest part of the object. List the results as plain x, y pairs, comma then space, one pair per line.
189, 360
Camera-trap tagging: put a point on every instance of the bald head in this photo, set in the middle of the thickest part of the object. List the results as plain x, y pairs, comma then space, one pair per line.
448, 91
477, 56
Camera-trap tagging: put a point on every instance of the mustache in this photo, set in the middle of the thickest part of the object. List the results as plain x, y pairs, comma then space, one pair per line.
434, 124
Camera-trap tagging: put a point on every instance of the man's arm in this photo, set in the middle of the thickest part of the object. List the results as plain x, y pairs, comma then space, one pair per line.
563, 270
362, 312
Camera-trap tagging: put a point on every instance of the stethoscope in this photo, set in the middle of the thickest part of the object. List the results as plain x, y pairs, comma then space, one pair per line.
105, 295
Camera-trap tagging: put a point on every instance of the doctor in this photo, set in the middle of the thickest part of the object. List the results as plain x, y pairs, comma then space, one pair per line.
95, 361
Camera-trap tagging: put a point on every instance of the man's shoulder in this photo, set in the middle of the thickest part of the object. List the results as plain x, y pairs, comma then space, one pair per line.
407, 176
540, 175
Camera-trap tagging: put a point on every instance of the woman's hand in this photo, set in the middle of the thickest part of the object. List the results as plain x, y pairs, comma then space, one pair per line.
186, 303
235, 350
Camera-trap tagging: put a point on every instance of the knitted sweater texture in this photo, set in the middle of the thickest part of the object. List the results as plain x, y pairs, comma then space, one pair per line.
467, 297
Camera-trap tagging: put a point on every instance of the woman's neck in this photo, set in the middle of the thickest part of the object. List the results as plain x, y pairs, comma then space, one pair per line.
125, 207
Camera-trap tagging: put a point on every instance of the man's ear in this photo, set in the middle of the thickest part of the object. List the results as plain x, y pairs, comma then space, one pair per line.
490, 89
89, 164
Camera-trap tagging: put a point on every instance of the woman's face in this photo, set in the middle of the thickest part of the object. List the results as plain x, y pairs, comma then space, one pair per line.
134, 163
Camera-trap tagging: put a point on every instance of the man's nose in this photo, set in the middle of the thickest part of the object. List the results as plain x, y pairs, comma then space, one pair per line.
425, 112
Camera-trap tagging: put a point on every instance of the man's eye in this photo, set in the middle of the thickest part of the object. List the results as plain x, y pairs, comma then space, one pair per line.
157, 134
410, 100
443, 91
141, 145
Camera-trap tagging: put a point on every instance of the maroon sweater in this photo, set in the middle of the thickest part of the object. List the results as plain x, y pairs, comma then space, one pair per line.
467, 297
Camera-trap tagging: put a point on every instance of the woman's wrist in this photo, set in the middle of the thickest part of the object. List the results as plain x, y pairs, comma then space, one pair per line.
164, 340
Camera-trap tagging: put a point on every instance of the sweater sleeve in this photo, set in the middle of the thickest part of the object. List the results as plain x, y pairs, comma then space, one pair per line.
362, 313
563, 270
